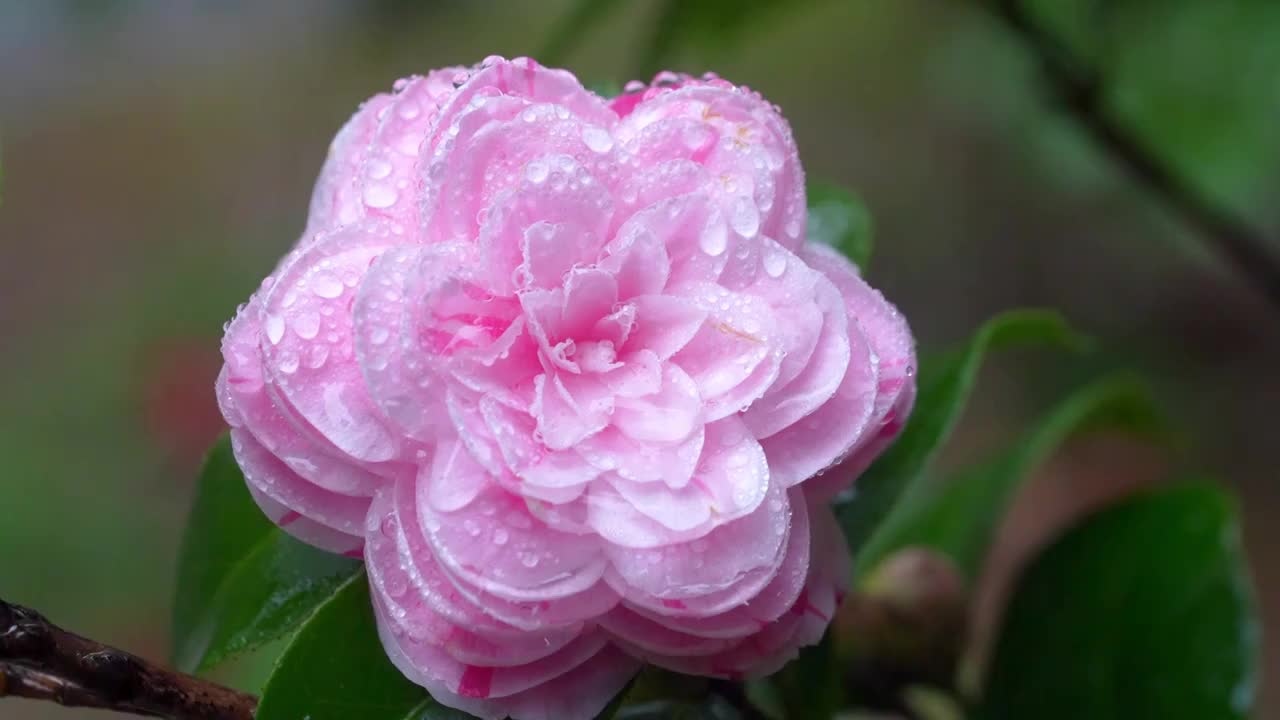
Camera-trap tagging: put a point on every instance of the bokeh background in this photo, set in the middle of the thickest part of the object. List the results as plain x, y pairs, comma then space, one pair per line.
158, 157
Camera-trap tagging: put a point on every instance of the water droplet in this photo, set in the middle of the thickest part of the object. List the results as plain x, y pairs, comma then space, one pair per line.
598, 139
529, 560
500, 537
275, 328
745, 217
326, 286
775, 262
380, 196
390, 525
317, 356
379, 335
307, 325
714, 238
288, 362
409, 110
536, 171
379, 168
471, 527
396, 585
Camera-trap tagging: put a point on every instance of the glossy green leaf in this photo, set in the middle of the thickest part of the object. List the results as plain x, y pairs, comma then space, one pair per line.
944, 383
223, 527
958, 517
242, 582
839, 219
336, 669
811, 687
1143, 611
274, 588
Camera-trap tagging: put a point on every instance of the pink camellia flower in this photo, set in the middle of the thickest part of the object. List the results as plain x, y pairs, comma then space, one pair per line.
564, 371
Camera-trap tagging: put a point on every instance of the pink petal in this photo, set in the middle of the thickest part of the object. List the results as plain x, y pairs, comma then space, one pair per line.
671, 463
271, 477
308, 342
335, 201
890, 338
551, 250
827, 366
669, 415
638, 261
664, 324
735, 355
495, 544
743, 554
569, 408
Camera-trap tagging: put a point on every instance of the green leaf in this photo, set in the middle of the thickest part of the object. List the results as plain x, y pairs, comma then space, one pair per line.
224, 525
268, 593
944, 383
242, 582
839, 219
1143, 611
958, 517
336, 669
811, 687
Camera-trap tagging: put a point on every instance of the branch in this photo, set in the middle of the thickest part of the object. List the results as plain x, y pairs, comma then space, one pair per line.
1080, 91
42, 661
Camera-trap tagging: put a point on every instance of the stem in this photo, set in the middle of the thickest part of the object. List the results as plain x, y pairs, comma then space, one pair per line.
1080, 91
42, 661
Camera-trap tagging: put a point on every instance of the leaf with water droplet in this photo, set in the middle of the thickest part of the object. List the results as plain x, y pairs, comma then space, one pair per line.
242, 582
336, 669
839, 219
1142, 611
959, 515
944, 383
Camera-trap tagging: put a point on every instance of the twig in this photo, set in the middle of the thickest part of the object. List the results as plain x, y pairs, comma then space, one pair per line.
41, 660
1080, 91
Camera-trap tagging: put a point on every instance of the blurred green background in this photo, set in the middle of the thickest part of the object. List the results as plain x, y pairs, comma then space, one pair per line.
158, 157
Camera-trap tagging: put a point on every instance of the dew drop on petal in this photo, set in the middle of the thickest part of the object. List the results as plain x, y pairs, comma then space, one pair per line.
500, 537
745, 217
326, 286
307, 325
714, 238
288, 362
379, 168
380, 196
536, 171
775, 263
598, 139
275, 328
317, 356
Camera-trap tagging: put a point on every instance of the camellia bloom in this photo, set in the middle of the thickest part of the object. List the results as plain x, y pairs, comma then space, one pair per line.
566, 374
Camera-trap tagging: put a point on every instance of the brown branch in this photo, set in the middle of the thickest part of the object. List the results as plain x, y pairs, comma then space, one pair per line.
1080, 91
42, 661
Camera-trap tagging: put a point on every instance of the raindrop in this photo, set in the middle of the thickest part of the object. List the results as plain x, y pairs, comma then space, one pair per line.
326, 286
536, 171
307, 325
500, 537
288, 362
317, 356
745, 217
598, 139
714, 238
775, 263
379, 168
380, 196
275, 328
